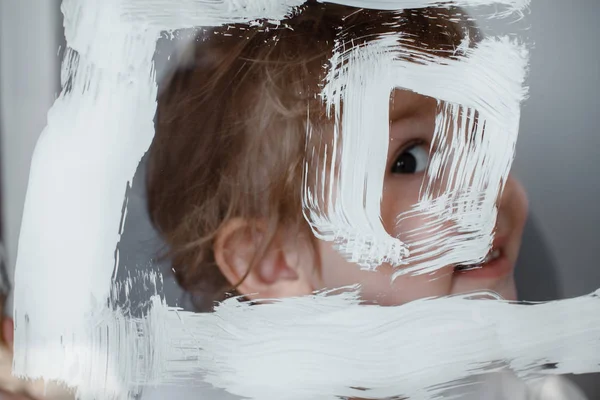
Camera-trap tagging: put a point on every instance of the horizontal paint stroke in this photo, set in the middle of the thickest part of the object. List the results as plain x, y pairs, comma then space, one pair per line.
321, 346
196, 13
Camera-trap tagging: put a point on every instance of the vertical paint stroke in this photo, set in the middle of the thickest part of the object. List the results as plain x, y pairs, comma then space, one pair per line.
98, 130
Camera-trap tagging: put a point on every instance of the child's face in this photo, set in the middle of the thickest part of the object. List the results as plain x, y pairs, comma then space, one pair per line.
291, 268
413, 121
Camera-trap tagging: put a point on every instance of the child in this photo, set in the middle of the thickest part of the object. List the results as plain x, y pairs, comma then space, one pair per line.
225, 168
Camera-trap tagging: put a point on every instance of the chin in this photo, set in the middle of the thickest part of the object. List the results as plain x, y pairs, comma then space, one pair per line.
508, 291
504, 287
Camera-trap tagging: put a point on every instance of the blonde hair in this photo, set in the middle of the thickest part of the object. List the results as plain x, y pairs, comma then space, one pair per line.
231, 126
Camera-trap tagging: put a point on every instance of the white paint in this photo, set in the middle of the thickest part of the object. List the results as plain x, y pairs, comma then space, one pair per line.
90, 149
512, 5
36, 389
194, 13
29, 82
320, 346
333, 342
346, 210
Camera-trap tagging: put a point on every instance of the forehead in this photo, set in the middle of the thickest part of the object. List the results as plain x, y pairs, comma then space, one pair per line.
404, 104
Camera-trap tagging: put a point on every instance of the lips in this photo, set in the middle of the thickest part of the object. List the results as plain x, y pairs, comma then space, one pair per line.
496, 252
494, 265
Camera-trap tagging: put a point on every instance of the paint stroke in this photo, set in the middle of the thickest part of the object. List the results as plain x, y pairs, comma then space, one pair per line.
194, 13
412, 350
322, 346
98, 130
465, 174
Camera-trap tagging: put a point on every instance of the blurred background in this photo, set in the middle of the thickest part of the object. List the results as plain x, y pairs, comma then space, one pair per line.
557, 155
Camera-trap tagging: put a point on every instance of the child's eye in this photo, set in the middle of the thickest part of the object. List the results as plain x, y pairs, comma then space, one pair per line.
412, 160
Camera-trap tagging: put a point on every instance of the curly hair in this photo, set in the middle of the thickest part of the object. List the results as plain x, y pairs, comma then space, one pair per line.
231, 125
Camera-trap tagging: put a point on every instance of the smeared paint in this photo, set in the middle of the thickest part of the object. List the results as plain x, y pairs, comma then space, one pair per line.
97, 131
466, 171
420, 350
194, 13
334, 343
35, 389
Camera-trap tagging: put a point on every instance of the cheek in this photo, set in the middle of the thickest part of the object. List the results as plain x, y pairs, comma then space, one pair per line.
400, 194
519, 202
377, 286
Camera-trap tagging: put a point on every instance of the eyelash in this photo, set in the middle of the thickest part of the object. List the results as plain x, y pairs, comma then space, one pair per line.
408, 146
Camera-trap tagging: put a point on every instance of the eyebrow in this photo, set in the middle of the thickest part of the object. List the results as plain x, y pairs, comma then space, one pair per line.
405, 124
406, 109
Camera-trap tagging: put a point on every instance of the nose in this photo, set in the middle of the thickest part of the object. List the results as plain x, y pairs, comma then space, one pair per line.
512, 209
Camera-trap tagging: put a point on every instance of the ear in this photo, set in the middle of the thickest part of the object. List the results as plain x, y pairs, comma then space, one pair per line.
285, 270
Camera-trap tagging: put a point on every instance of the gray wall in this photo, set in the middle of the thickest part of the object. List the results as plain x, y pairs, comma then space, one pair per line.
557, 154
559, 146
29, 80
